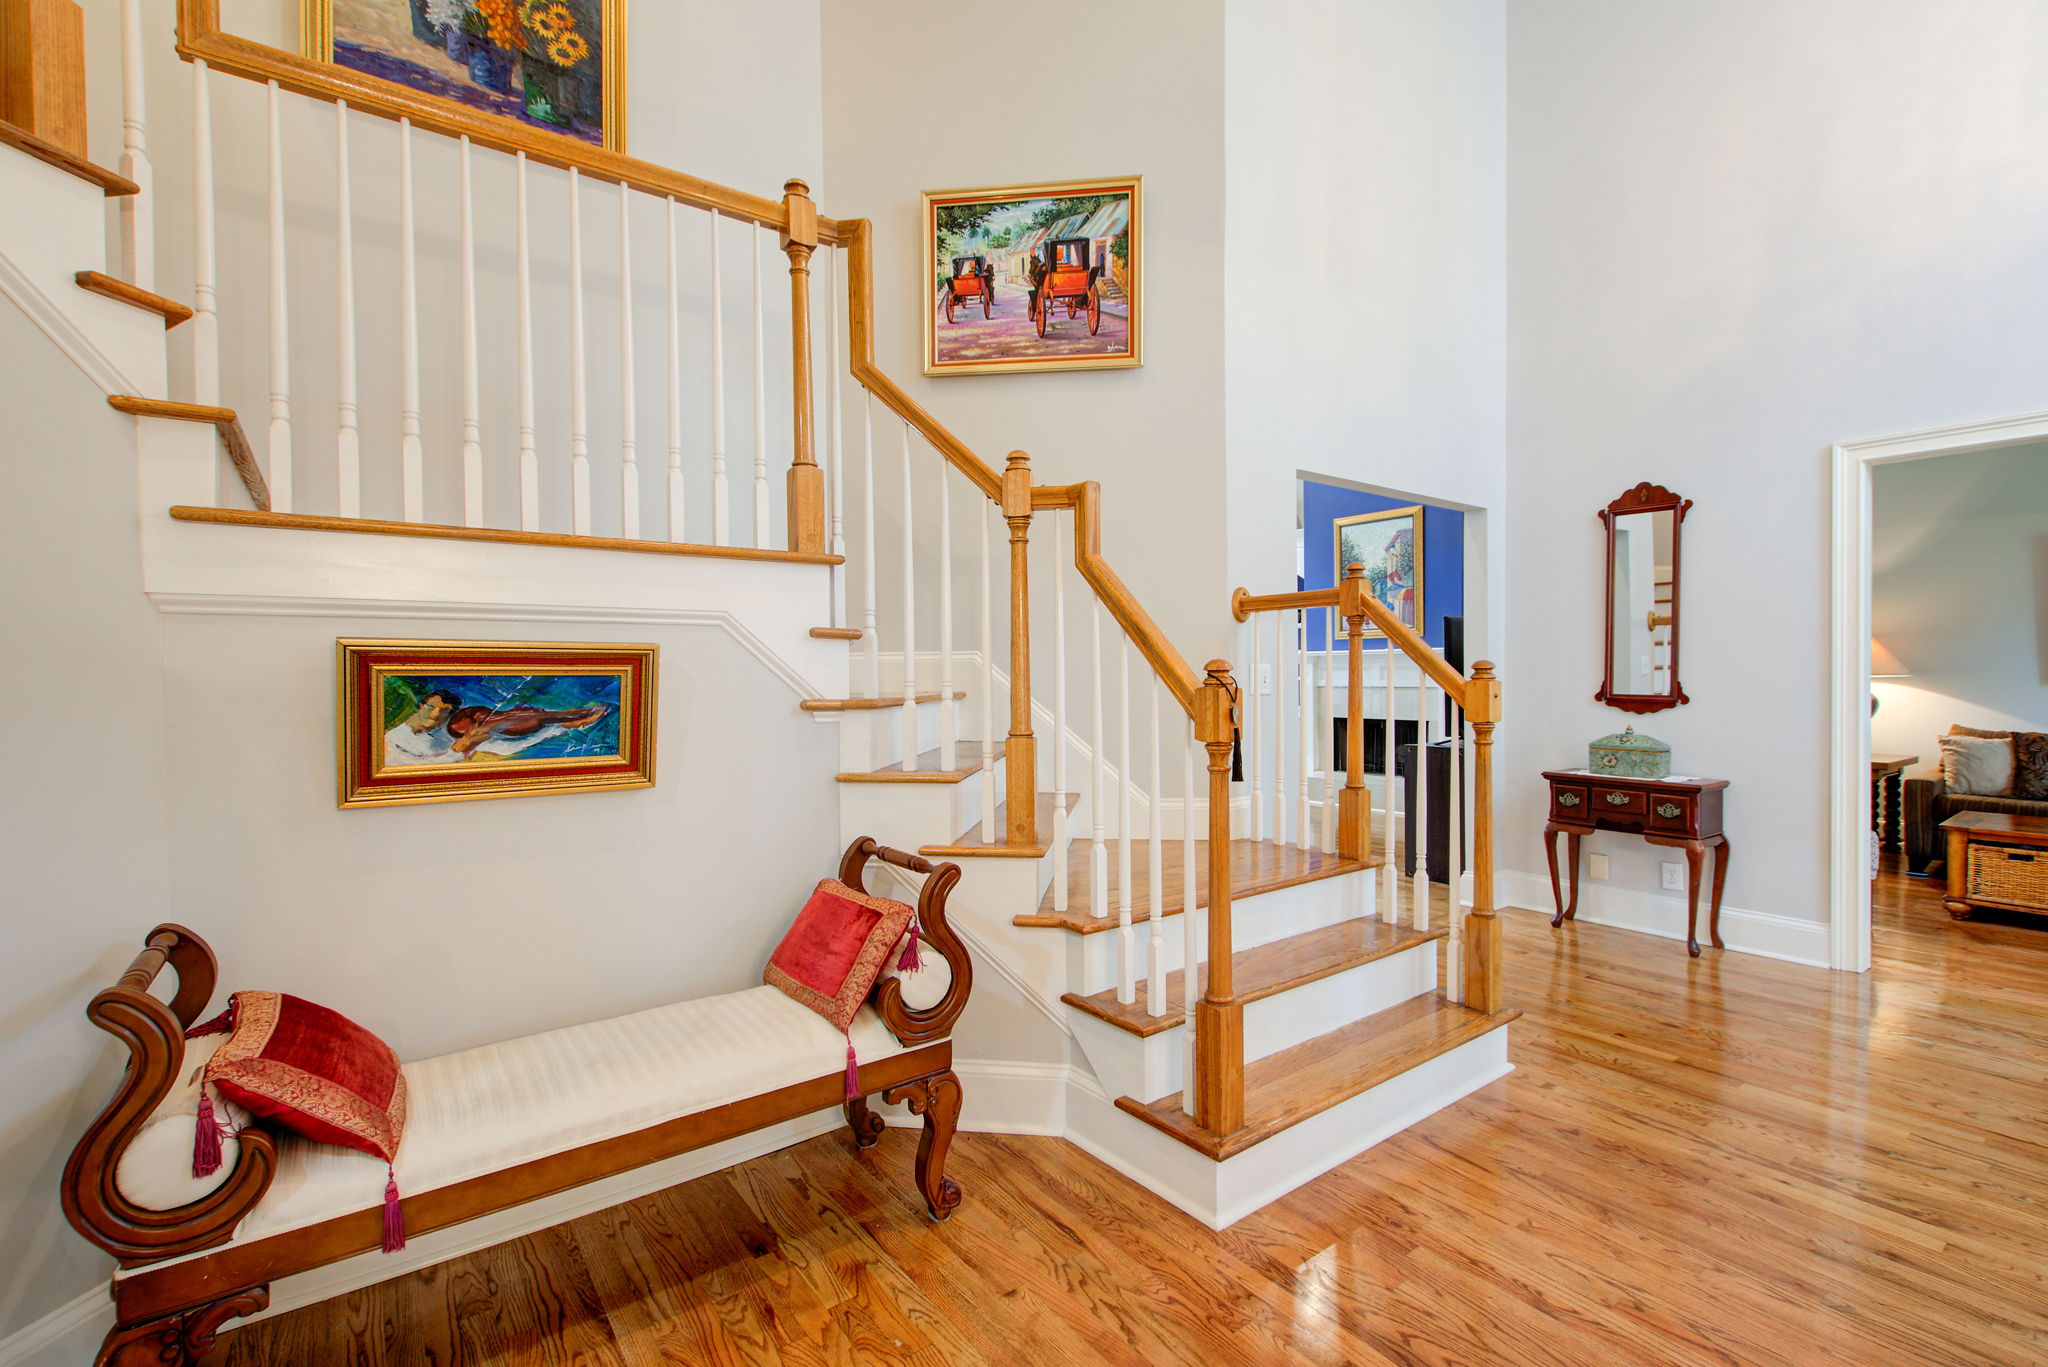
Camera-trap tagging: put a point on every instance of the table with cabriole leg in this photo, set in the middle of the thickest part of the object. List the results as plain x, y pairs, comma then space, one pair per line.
1683, 813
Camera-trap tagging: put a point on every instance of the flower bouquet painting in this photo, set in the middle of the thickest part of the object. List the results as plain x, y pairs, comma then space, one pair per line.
557, 65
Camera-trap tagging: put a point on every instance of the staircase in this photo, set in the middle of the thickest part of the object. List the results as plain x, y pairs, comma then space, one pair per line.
1227, 964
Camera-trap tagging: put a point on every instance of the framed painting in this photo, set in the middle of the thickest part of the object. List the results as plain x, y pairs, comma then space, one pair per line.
555, 65
444, 721
1034, 277
1389, 545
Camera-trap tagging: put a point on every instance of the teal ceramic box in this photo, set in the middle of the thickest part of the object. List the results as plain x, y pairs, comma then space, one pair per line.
1629, 755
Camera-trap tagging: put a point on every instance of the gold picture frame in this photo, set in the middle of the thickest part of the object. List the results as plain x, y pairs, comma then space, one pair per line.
986, 320
1377, 547
452, 721
418, 67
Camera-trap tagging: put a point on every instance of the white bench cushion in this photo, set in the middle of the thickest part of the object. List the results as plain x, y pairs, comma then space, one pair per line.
484, 1110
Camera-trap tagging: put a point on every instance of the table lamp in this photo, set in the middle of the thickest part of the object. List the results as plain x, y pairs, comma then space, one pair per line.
1884, 665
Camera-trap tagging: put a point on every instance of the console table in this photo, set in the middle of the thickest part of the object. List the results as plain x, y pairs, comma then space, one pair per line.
1683, 813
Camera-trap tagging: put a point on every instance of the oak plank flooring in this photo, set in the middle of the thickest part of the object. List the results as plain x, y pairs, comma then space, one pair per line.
1727, 1162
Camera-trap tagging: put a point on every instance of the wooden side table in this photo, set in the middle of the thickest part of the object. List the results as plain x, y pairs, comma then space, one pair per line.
1888, 798
1683, 813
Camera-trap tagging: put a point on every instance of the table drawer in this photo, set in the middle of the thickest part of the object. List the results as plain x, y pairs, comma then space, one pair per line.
1671, 811
1629, 802
1568, 803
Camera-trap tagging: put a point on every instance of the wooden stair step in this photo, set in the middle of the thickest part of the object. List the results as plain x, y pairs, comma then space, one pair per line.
100, 283
23, 140
866, 704
928, 770
1256, 866
1266, 970
1284, 1089
836, 633
978, 841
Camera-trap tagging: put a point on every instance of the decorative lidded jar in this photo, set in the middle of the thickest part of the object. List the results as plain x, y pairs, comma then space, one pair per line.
1629, 755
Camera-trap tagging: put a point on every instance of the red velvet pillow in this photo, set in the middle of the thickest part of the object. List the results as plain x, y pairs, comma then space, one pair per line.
316, 1073
835, 951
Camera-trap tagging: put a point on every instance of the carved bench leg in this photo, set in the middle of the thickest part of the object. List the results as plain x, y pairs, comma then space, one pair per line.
180, 1339
867, 1125
937, 1099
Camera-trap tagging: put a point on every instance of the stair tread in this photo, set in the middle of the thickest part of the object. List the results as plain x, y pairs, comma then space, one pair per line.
1266, 970
836, 633
866, 704
109, 287
12, 135
1284, 1089
1256, 866
928, 770
977, 842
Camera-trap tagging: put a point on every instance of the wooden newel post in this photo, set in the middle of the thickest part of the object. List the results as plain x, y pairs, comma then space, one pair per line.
42, 70
1354, 803
1020, 784
1482, 927
806, 480
1218, 1086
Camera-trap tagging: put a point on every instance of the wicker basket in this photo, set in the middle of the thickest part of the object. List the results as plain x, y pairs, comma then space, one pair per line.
2013, 876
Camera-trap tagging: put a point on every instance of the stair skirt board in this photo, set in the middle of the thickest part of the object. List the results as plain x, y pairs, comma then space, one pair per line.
1154, 1066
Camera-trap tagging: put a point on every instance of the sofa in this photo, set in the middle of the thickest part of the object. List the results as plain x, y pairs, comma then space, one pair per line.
1929, 801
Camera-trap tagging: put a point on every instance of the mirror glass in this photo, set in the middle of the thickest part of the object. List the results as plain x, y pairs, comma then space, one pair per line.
1641, 614
1643, 598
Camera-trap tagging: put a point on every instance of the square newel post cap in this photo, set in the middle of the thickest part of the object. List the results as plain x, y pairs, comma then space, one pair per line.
802, 213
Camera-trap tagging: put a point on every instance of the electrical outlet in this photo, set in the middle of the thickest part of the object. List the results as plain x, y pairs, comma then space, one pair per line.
1596, 867
1265, 678
1673, 876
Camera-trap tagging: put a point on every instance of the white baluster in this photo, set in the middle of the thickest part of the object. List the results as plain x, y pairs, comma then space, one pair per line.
629, 427
836, 455
1248, 745
1098, 850
1060, 817
761, 537
348, 446
949, 721
988, 670
529, 445
579, 389
138, 211
1454, 860
910, 631
280, 328
205, 275
472, 399
1279, 730
1191, 935
1304, 714
870, 638
1389, 876
1419, 884
412, 473
1126, 950
1155, 985
721, 497
676, 487
1329, 729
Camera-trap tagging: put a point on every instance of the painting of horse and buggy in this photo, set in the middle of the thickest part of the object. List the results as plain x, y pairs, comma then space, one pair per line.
1033, 277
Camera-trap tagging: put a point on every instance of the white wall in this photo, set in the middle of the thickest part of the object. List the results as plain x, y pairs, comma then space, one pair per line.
1364, 295
1959, 589
1737, 234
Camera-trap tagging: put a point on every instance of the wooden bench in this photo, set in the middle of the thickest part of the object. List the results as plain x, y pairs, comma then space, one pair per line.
186, 1270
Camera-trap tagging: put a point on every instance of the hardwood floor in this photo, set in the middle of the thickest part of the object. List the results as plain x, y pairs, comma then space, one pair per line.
1717, 1161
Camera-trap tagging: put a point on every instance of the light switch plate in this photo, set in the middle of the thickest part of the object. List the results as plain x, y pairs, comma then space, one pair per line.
1596, 867
1674, 876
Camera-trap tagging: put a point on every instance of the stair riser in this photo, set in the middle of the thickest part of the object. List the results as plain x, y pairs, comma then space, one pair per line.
1255, 920
873, 738
908, 815
1153, 1067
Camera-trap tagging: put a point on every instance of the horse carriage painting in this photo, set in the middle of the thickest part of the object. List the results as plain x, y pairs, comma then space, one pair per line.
1033, 277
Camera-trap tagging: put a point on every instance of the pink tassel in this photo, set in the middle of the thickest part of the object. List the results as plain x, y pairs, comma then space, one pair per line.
852, 1071
205, 1138
910, 963
219, 1025
394, 1215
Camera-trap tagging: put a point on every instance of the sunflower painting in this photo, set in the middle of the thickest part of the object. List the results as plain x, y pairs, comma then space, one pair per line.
552, 64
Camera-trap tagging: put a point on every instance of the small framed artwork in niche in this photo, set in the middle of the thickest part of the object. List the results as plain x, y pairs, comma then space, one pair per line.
1644, 578
556, 66
1389, 545
444, 721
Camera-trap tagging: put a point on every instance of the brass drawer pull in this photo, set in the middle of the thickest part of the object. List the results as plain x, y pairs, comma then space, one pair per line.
1567, 799
1617, 799
1669, 810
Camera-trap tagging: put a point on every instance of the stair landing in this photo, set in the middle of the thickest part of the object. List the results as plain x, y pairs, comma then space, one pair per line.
1284, 1089
1256, 866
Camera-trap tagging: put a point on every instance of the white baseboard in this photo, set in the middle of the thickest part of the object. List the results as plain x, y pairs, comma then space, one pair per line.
66, 1337
1748, 932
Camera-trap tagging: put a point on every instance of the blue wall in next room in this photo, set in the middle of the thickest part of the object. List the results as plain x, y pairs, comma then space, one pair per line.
1443, 552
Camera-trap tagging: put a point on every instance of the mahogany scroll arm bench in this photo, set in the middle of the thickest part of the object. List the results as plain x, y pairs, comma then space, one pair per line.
490, 1128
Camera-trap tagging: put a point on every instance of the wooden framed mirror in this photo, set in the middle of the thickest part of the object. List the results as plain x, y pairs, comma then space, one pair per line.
1643, 603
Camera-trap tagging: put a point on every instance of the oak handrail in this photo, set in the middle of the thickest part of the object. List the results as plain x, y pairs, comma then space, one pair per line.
1168, 663
1244, 603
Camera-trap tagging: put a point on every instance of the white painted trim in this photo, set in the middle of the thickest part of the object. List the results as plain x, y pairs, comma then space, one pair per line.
989, 959
55, 324
70, 1334
1849, 660
258, 605
1762, 933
